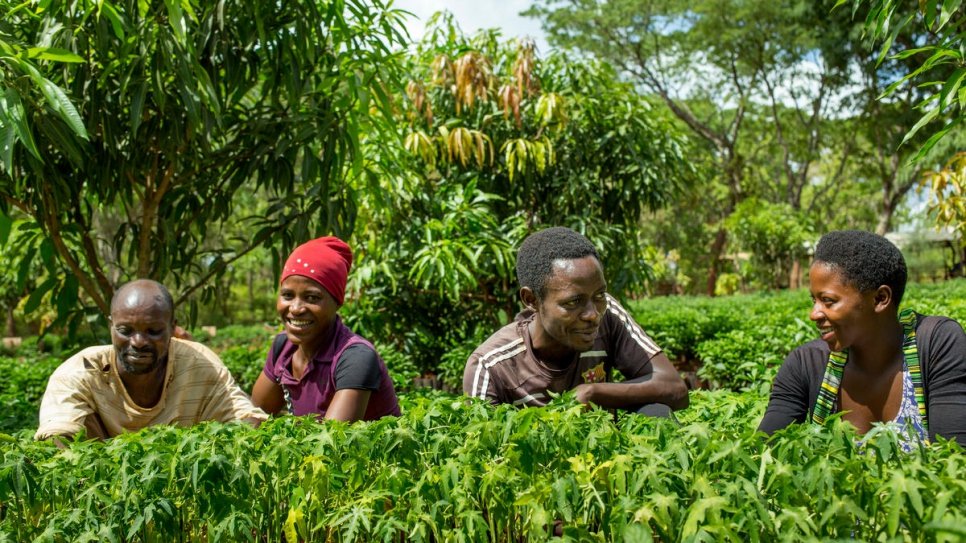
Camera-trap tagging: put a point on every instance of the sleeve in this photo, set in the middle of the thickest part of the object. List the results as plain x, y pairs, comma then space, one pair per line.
66, 404
946, 389
477, 382
358, 368
632, 347
227, 401
789, 401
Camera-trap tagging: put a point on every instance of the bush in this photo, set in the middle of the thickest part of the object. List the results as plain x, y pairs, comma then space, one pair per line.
739, 341
452, 470
21, 390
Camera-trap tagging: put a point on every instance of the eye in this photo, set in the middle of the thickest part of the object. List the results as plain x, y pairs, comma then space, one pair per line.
313, 299
122, 330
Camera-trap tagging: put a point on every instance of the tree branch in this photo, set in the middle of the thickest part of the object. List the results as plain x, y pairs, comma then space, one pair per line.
50, 219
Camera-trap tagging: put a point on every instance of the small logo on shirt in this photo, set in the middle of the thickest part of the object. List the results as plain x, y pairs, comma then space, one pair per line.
595, 374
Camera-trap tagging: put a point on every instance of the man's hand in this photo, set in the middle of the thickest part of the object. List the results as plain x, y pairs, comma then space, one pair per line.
585, 393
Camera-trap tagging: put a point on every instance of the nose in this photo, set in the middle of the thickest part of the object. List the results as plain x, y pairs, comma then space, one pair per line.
816, 314
591, 312
138, 340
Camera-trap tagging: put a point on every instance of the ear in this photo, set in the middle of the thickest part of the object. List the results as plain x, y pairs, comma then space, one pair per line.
529, 298
882, 297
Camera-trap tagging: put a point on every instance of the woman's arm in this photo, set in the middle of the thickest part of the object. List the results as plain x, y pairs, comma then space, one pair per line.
789, 399
357, 376
267, 395
348, 404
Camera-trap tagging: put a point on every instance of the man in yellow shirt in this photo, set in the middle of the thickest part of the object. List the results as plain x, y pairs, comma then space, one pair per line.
146, 377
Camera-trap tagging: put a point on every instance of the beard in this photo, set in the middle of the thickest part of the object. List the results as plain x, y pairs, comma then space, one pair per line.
139, 368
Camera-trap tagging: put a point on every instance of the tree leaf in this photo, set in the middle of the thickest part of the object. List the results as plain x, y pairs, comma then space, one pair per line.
33, 301
18, 117
6, 225
54, 54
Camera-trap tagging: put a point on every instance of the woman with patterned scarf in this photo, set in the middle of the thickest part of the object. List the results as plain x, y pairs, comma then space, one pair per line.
874, 363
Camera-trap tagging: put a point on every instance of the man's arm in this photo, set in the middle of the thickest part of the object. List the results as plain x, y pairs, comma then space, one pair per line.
651, 378
66, 407
661, 385
477, 381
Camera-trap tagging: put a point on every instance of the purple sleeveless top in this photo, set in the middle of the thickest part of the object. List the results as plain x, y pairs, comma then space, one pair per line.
313, 392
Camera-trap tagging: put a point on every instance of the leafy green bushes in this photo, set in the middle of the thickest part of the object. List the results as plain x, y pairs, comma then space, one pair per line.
21, 389
452, 470
738, 342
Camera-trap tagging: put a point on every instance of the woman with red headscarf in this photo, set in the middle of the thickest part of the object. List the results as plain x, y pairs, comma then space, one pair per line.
319, 366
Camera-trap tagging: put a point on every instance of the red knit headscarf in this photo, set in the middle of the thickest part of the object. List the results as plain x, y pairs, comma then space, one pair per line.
325, 260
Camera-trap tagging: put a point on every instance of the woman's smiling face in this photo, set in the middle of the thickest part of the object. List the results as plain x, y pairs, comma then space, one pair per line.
844, 315
307, 310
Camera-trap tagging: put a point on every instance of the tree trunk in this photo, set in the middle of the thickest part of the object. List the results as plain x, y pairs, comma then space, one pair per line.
885, 218
716, 249
10, 327
795, 277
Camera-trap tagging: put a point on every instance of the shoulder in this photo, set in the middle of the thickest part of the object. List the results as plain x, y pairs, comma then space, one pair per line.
808, 360
504, 344
939, 326
88, 361
361, 352
194, 356
618, 322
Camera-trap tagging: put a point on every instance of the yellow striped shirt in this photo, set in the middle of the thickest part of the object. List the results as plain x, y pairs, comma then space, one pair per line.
197, 387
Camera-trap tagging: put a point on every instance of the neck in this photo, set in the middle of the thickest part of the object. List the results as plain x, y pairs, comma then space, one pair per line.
548, 351
145, 389
881, 349
311, 348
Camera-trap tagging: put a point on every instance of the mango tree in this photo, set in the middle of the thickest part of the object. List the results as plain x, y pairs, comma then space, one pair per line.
130, 126
498, 142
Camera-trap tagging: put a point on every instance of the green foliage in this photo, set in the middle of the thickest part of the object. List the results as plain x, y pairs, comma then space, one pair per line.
498, 143
938, 52
133, 131
448, 470
739, 342
775, 234
22, 387
780, 98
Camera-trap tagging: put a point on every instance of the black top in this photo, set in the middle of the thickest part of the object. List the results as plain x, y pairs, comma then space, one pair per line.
358, 368
942, 356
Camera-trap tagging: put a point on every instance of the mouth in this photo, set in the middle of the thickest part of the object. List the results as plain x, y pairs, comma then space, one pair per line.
135, 357
826, 332
299, 324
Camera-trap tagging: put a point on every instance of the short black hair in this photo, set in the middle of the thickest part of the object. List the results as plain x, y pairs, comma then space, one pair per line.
865, 260
539, 250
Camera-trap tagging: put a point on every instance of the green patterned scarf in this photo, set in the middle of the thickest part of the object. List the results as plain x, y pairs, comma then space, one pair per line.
829, 392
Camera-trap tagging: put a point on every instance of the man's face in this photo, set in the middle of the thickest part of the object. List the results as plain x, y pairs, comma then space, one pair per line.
141, 328
569, 314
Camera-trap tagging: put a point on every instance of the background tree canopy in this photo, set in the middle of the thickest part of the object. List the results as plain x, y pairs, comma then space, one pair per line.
783, 98
196, 144
497, 143
131, 127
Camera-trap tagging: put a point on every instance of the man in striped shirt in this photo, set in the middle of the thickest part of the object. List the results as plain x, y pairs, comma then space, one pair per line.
570, 336
145, 378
